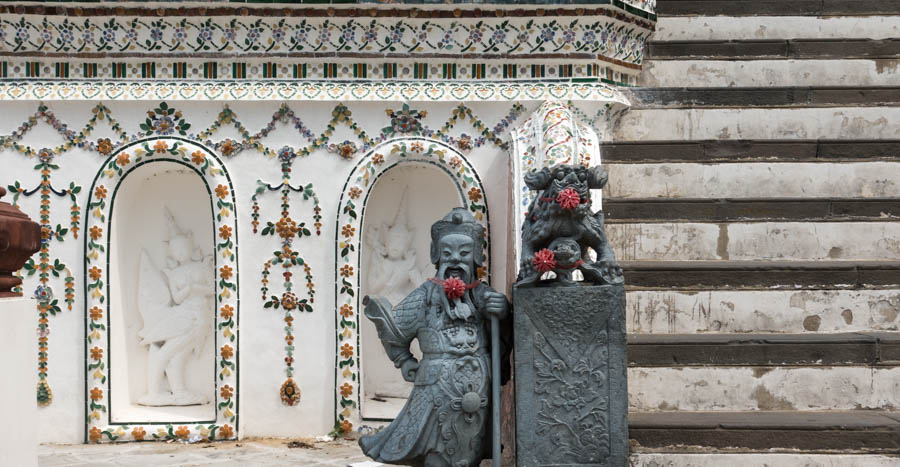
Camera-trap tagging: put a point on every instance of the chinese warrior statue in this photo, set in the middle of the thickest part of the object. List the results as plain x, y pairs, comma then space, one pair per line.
446, 421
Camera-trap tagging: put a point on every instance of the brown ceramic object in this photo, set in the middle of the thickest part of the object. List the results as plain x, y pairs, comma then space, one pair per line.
20, 237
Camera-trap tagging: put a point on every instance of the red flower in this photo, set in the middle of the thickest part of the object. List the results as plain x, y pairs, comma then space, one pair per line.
544, 260
454, 288
568, 199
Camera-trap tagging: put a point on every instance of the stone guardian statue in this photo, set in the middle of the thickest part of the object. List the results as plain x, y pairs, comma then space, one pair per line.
446, 420
176, 306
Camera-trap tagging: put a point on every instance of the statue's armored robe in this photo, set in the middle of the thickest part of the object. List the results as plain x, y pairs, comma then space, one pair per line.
446, 420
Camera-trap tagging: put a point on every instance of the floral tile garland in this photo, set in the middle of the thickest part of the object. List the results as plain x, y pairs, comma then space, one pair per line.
347, 243
96, 265
287, 257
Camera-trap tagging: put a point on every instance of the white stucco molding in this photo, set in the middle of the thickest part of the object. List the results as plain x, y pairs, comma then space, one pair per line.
309, 91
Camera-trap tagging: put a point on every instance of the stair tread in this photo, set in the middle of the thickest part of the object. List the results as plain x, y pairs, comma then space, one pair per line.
749, 150
774, 7
689, 97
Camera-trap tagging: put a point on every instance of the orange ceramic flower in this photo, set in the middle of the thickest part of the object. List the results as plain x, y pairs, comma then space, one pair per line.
475, 195
161, 146
138, 433
226, 392
227, 147
225, 272
346, 426
222, 191
354, 192
182, 432
226, 312
95, 273
96, 353
378, 159
226, 351
96, 313
417, 147
347, 350
346, 270
225, 232
482, 271
289, 301
123, 159
226, 432
348, 231
96, 232
346, 310
286, 227
346, 390
455, 162
198, 157
96, 394
104, 146
94, 434
100, 192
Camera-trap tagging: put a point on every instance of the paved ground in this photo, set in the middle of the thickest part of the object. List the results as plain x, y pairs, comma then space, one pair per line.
250, 452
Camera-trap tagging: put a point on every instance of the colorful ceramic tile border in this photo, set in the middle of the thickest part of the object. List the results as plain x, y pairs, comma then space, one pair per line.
99, 426
351, 210
273, 68
603, 34
306, 90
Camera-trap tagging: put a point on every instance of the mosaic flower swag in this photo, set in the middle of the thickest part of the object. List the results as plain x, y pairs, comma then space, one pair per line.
116, 168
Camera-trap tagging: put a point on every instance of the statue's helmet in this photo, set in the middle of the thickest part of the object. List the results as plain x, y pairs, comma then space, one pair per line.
458, 221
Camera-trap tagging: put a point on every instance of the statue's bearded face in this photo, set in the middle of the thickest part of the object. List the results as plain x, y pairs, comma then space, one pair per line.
457, 257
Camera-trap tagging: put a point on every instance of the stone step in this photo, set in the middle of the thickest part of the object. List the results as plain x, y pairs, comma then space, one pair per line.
776, 7
655, 210
797, 275
754, 49
851, 431
823, 150
739, 241
802, 180
754, 350
760, 388
761, 311
783, 72
705, 457
803, 123
685, 98
713, 28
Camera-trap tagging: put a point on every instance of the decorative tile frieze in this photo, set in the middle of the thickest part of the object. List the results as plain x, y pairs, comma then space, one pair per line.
307, 90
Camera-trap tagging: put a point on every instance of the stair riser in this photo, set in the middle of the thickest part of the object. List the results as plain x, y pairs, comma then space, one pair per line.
756, 241
679, 312
701, 28
754, 180
759, 123
670, 459
763, 388
760, 73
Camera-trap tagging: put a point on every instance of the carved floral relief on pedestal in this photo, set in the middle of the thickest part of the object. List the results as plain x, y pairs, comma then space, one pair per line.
120, 163
347, 254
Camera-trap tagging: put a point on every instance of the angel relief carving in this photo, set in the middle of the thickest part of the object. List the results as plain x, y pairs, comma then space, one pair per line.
392, 265
176, 305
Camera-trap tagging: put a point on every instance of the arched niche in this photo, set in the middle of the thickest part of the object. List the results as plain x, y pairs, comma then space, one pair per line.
439, 178
399, 211
151, 201
160, 267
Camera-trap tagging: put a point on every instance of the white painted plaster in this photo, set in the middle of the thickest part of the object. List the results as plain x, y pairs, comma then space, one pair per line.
763, 388
765, 311
19, 432
759, 123
755, 180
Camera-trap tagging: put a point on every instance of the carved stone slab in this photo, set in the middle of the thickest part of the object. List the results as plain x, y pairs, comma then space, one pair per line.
571, 393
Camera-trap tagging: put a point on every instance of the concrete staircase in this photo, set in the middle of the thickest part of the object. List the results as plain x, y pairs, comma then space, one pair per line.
755, 205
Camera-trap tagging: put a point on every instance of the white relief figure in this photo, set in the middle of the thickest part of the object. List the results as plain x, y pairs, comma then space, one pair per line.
175, 304
392, 270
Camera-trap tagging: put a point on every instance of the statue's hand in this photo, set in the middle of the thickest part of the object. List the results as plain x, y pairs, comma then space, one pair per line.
495, 304
409, 369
